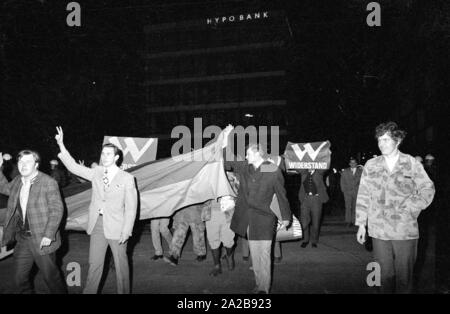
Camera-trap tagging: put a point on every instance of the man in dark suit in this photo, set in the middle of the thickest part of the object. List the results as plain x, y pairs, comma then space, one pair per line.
350, 178
259, 181
312, 195
33, 217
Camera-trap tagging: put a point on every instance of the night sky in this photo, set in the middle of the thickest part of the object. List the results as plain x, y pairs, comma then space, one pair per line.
343, 76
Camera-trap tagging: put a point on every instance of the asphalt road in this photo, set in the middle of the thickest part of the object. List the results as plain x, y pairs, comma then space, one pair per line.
337, 266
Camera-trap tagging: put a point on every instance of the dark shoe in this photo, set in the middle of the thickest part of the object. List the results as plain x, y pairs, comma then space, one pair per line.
304, 244
171, 260
314, 245
216, 271
201, 258
277, 260
245, 258
156, 257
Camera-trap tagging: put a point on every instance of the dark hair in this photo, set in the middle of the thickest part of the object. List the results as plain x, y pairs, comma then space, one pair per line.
25, 152
117, 152
353, 158
390, 128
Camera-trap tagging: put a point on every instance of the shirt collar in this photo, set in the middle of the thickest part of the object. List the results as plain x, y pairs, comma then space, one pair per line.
111, 170
30, 179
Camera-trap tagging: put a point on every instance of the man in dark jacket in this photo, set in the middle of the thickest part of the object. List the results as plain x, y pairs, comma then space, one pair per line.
350, 178
259, 181
312, 195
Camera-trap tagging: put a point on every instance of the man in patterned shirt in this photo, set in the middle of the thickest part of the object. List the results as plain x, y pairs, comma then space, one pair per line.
394, 189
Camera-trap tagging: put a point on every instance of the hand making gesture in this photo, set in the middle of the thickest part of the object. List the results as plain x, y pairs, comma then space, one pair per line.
60, 136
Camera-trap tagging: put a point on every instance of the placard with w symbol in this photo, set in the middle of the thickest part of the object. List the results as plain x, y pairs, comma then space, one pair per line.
315, 155
136, 150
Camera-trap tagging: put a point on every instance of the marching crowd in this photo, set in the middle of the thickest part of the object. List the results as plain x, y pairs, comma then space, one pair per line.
383, 198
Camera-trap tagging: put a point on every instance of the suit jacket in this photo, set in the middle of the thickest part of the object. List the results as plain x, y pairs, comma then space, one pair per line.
318, 181
350, 181
255, 194
44, 210
118, 201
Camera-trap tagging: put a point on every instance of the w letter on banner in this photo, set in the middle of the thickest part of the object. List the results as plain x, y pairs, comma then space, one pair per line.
315, 155
307, 149
132, 154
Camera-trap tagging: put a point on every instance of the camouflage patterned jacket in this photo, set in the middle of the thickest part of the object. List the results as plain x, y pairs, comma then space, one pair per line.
389, 203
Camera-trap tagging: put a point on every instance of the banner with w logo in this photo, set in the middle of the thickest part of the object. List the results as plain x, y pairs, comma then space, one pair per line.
136, 150
315, 155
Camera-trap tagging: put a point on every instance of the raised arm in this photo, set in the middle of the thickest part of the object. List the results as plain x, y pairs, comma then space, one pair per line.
228, 158
68, 161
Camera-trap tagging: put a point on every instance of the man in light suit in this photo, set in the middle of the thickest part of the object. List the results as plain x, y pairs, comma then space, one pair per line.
350, 178
33, 218
111, 213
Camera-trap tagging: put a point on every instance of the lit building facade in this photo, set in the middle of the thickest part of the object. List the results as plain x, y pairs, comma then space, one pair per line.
224, 69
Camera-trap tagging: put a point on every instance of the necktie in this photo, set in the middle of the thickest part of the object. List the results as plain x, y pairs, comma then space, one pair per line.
105, 177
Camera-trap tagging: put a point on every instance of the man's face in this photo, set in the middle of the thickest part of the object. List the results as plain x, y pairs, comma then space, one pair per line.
386, 144
27, 165
352, 163
251, 156
108, 158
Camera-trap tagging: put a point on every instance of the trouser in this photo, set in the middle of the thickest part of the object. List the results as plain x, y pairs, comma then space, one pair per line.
246, 249
179, 236
311, 212
350, 204
261, 261
160, 226
25, 255
97, 251
218, 230
425, 220
396, 259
